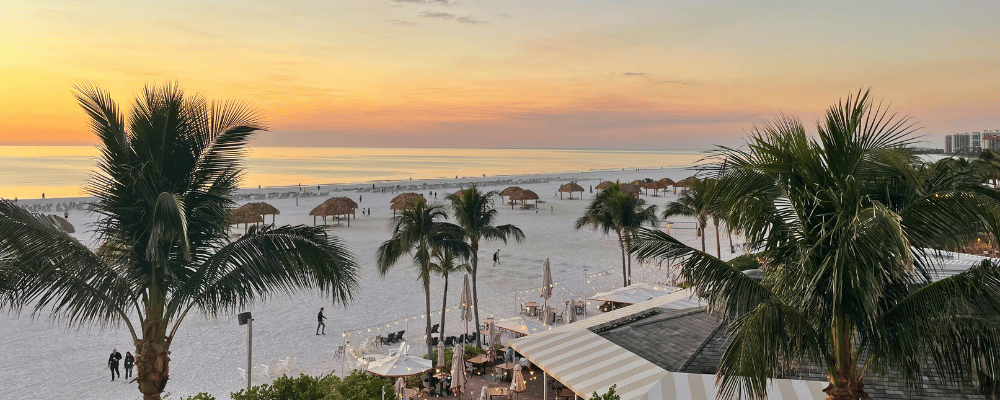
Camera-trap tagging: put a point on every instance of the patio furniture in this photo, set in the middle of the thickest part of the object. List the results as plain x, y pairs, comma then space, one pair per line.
498, 392
532, 307
449, 341
434, 341
434, 329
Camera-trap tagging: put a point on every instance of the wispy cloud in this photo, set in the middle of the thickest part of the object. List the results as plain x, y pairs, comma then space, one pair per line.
503, 15
440, 15
635, 74
470, 20
441, 2
399, 22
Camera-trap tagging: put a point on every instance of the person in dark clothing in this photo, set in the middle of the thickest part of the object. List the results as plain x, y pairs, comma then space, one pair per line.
129, 363
496, 258
320, 317
113, 363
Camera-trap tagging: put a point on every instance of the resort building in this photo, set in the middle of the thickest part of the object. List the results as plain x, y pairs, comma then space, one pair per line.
972, 142
656, 351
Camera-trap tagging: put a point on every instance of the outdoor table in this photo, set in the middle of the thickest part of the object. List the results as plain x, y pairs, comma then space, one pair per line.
580, 307
479, 361
569, 394
499, 392
503, 369
532, 307
411, 393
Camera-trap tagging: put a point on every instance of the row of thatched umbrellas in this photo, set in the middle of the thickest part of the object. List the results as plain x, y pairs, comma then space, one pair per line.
637, 185
515, 193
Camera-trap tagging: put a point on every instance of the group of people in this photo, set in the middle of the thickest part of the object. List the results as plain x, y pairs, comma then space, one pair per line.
113, 364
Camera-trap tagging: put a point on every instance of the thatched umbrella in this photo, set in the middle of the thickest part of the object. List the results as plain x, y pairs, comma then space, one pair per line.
241, 216
259, 208
404, 201
523, 195
664, 184
630, 189
570, 188
509, 191
684, 183
603, 185
63, 224
335, 206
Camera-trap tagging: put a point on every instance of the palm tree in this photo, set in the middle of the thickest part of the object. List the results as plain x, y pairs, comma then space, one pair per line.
475, 214
847, 222
420, 231
694, 201
446, 264
623, 213
163, 187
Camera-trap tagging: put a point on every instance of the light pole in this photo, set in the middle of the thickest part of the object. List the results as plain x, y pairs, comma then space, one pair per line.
246, 319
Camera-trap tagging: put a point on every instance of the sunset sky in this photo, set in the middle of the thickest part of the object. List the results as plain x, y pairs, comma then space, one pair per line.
538, 73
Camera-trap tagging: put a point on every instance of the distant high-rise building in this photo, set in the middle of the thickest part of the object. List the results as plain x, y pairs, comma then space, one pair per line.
947, 144
961, 143
972, 142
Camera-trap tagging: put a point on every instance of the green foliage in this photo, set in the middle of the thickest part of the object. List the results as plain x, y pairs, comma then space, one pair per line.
448, 354
684, 285
472, 351
357, 386
745, 262
610, 395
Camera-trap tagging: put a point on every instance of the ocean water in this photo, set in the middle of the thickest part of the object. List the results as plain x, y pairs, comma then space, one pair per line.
61, 171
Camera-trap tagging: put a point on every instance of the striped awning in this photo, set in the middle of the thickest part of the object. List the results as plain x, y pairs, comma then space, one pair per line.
586, 363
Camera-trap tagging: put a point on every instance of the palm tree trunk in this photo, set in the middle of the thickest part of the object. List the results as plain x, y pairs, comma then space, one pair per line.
701, 232
152, 361
718, 242
474, 243
732, 250
444, 305
628, 253
844, 382
427, 303
621, 244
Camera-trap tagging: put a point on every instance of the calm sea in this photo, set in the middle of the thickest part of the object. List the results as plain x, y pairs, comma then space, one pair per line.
60, 171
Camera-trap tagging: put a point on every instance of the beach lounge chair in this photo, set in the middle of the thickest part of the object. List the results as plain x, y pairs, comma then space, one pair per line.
434, 329
399, 335
449, 341
470, 338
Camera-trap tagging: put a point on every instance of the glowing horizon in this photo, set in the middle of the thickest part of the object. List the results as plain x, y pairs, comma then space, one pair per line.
562, 74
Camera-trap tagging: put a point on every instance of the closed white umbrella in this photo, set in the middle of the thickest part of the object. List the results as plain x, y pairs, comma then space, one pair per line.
546, 289
485, 394
466, 306
571, 311
458, 378
494, 338
401, 389
441, 359
517, 384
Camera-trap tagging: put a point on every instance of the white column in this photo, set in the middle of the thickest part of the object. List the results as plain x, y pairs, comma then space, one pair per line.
545, 385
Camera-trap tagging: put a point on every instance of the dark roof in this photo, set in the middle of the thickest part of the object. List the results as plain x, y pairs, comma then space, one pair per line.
692, 341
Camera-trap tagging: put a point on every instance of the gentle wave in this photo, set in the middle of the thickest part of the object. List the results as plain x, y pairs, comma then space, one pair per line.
61, 171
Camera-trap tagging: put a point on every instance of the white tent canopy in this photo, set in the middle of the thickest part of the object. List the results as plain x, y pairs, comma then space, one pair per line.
633, 294
398, 366
523, 326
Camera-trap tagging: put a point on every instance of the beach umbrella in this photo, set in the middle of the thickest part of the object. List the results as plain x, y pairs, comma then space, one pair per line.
441, 360
571, 311
523, 195
458, 378
399, 366
466, 306
484, 394
400, 387
494, 337
628, 188
570, 188
546, 289
603, 185
517, 384
509, 191
259, 209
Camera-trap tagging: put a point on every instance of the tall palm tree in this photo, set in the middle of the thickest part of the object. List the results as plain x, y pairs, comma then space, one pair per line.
475, 214
447, 264
623, 213
847, 222
694, 201
420, 230
163, 185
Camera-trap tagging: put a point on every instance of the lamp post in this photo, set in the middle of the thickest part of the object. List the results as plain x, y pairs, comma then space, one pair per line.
246, 319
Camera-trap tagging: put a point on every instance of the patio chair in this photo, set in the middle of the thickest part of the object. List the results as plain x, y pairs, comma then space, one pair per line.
434, 341
460, 339
400, 335
559, 317
524, 310
470, 338
434, 329
340, 351
449, 341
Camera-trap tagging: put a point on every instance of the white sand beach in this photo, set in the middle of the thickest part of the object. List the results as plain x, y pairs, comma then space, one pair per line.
44, 359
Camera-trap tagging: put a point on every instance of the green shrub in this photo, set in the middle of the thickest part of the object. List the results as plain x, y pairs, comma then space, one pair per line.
745, 262
610, 395
356, 386
199, 396
472, 351
684, 285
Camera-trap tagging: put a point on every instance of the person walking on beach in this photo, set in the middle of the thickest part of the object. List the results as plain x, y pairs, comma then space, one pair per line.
129, 363
320, 317
496, 258
113, 363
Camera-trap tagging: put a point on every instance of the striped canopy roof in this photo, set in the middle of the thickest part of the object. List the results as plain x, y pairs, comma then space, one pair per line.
586, 363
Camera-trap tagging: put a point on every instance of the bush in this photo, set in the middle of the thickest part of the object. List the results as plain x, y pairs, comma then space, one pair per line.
610, 395
745, 262
472, 351
199, 396
448, 355
684, 285
356, 386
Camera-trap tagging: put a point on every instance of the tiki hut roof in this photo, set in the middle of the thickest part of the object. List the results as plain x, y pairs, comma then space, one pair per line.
63, 223
603, 185
630, 188
685, 182
667, 181
335, 206
570, 188
660, 184
523, 195
259, 208
242, 216
405, 201
510, 190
